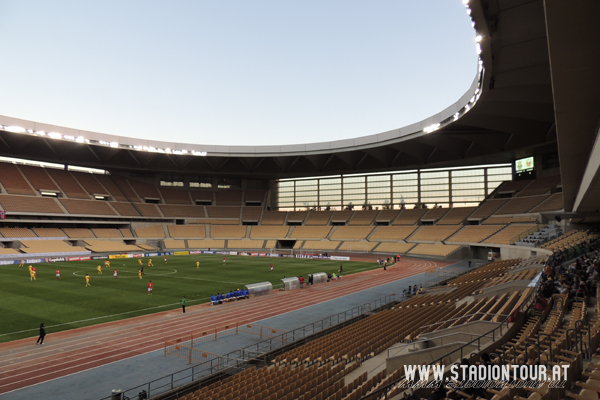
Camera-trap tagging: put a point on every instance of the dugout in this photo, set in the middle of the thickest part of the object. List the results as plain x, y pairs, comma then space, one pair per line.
291, 283
259, 289
319, 277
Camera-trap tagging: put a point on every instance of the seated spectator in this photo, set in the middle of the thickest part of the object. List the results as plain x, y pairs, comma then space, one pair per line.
213, 300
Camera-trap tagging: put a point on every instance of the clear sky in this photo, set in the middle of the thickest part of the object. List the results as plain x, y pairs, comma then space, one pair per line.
233, 71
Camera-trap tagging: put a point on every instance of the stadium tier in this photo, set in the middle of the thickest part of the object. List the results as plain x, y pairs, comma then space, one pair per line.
456, 216
187, 231
310, 232
363, 217
387, 233
351, 232
318, 218
269, 232
433, 233
410, 217
227, 231
474, 233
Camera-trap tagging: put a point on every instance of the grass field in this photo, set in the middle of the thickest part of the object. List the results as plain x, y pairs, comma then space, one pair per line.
68, 304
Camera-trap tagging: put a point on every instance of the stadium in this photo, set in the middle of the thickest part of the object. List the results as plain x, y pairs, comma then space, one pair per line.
320, 270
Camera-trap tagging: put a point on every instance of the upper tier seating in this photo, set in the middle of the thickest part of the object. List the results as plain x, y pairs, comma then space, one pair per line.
175, 196
311, 232
90, 183
520, 205
187, 231
245, 244
206, 243
148, 210
357, 246
508, 233
251, 214
426, 249
569, 239
320, 245
227, 231
553, 203
434, 214
109, 185
488, 208
145, 190
342, 216
174, 244
153, 231
387, 216
541, 185
29, 204
514, 186
16, 232
254, 195
229, 198
394, 248
495, 220
474, 233
318, 218
296, 216
434, 233
9, 251
273, 217
126, 232
172, 210
365, 217
125, 188
269, 232
82, 232
203, 196
68, 184
48, 246
13, 181
223, 212
49, 232
456, 215
410, 217
125, 209
351, 232
105, 246
105, 233
384, 233
90, 207
38, 178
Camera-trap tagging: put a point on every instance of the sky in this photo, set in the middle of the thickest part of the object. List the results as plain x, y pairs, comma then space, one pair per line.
243, 72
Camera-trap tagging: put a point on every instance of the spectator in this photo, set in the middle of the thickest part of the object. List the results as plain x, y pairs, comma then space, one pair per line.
310, 280
301, 279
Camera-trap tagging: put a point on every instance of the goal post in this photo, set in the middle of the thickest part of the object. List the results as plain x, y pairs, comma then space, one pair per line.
359, 248
282, 251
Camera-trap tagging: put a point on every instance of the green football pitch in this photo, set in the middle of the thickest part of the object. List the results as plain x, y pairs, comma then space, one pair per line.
68, 304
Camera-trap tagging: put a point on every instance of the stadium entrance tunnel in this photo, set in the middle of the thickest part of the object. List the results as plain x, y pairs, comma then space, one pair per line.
286, 244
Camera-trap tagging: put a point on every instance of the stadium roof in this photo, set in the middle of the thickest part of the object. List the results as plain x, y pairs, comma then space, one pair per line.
507, 113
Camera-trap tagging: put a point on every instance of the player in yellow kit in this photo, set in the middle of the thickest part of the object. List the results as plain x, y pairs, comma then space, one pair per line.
150, 263
99, 270
197, 264
106, 263
87, 280
22, 263
32, 275
30, 268
140, 261
140, 273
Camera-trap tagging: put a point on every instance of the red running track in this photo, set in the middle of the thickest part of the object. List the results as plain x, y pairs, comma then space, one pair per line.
23, 364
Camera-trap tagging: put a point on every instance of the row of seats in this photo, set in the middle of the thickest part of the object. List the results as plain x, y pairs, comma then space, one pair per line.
76, 233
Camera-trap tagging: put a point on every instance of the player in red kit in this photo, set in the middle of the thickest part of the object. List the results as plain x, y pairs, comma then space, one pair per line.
57, 274
150, 288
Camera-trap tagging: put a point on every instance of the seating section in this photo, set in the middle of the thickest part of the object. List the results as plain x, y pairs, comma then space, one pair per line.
105, 246
111, 187
320, 245
174, 244
125, 209
386, 233
175, 196
223, 212
90, 207
520, 205
410, 217
145, 190
342, 216
553, 203
245, 244
187, 231
90, 183
434, 233
125, 188
126, 232
68, 184
441, 250
456, 215
488, 208
229, 198
356, 246
49, 232
387, 216
81, 233
351, 232
540, 186
38, 177
495, 220
569, 239
510, 232
29, 204
394, 248
203, 196
148, 210
254, 196
273, 218
296, 216
16, 232
474, 233
269, 232
227, 231
153, 231
514, 186
365, 217
206, 244
103, 233
434, 214
48, 246
310, 232
171, 210
251, 214
13, 181
318, 218
6, 251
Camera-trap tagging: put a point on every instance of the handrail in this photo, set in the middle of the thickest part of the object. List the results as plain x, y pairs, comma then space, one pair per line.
432, 338
457, 318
